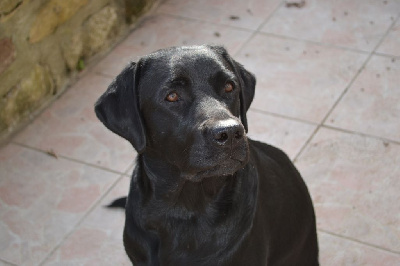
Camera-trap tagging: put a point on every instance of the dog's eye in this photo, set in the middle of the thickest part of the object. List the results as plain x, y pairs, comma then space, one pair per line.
228, 87
172, 97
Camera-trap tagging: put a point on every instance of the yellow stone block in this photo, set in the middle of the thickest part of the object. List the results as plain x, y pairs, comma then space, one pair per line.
53, 14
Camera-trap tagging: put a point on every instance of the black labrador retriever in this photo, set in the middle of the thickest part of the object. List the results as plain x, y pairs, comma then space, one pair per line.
202, 193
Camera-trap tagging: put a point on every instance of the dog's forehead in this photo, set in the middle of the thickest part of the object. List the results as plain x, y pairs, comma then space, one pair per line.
198, 58
193, 56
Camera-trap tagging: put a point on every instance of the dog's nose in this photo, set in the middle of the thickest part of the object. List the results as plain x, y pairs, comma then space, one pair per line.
223, 132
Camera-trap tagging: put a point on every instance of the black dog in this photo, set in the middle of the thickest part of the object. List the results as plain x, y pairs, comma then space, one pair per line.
203, 193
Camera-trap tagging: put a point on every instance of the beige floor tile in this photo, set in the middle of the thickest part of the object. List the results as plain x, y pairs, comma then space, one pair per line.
372, 105
347, 23
41, 200
354, 182
98, 240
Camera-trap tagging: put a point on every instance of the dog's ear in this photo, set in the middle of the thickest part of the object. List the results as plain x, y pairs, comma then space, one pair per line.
247, 83
118, 108
248, 86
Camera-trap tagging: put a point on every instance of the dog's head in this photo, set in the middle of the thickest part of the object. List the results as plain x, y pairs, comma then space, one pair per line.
185, 105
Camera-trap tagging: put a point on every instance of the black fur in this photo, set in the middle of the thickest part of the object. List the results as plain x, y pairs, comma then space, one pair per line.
202, 193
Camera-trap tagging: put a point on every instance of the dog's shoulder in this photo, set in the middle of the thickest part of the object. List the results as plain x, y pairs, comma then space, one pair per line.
267, 153
275, 168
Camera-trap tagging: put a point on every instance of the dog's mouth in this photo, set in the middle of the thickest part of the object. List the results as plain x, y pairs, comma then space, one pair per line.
226, 168
210, 156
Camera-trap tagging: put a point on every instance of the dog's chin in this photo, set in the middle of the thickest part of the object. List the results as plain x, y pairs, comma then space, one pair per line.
224, 169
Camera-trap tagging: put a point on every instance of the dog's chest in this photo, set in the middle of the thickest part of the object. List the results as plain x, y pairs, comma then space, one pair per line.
212, 234
181, 242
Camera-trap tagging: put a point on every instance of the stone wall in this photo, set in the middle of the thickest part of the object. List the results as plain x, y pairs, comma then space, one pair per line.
45, 43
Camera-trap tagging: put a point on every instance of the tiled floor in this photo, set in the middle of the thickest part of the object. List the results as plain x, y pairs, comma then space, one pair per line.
328, 93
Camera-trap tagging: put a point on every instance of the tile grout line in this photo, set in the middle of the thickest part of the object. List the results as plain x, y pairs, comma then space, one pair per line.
310, 123
69, 158
358, 241
387, 33
361, 134
326, 45
180, 17
80, 221
387, 55
257, 30
105, 75
295, 119
128, 171
347, 88
7, 262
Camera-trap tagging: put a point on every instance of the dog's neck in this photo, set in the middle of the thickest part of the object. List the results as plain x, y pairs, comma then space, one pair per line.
165, 182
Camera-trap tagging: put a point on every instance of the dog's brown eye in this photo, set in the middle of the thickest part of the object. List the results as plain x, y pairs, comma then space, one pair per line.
228, 87
172, 97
